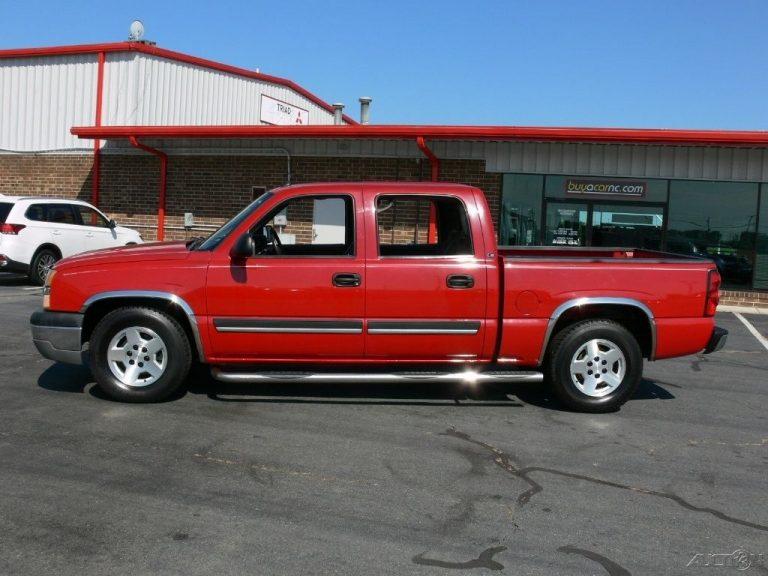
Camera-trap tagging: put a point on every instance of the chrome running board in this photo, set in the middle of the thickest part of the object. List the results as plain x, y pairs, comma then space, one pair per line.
464, 377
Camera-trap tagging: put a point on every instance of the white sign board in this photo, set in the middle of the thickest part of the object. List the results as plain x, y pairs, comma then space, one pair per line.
281, 113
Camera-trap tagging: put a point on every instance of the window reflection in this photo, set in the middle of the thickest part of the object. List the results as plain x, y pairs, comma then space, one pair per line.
716, 219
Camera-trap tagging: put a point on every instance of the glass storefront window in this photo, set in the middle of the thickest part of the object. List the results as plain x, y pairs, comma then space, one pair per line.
619, 225
566, 224
717, 219
521, 210
760, 280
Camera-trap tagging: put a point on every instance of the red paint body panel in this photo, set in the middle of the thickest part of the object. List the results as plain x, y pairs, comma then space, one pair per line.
515, 299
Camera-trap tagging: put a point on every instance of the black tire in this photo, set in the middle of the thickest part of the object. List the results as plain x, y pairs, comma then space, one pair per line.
569, 341
177, 363
39, 265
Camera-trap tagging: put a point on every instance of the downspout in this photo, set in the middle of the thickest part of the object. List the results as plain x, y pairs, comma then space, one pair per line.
95, 176
163, 178
434, 163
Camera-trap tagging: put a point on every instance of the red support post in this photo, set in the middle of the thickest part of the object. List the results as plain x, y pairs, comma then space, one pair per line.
95, 176
434, 163
163, 183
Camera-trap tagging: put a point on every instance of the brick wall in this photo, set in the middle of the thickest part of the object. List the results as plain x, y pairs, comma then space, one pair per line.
214, 188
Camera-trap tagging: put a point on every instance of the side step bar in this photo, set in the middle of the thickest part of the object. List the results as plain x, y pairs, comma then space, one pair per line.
465, 377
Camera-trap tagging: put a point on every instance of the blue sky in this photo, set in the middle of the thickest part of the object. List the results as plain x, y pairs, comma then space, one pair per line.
649, 63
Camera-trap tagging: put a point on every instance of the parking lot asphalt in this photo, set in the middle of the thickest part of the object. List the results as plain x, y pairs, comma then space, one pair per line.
354, 479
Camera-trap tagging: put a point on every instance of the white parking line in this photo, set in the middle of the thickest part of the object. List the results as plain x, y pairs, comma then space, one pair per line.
760, 338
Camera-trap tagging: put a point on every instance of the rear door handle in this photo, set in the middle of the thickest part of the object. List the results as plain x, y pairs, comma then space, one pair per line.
346, 280
460, 281
57, 232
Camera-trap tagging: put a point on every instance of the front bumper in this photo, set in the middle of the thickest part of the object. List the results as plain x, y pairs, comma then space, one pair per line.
58, 335
717, 340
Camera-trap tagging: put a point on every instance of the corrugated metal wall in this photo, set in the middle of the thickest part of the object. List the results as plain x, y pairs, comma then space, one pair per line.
637, 161
41, 98
687, 162
145, 90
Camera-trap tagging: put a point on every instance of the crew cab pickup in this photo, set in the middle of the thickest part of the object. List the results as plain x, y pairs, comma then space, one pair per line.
371, 282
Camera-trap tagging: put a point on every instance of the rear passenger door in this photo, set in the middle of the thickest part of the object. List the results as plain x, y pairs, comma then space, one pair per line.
64, 226
426, 280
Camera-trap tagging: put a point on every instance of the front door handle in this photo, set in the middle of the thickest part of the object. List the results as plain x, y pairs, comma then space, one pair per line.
460, 281
346, 280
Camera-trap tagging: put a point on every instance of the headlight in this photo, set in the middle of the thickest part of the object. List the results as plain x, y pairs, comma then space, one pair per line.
47, 289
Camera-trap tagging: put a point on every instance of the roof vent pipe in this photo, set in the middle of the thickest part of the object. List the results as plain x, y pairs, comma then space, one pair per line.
338, 113
365, 109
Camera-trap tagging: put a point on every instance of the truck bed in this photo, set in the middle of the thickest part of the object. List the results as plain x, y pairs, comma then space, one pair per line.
597, 254
538, 282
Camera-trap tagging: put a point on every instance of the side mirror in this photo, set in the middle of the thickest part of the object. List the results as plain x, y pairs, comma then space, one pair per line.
245, 247
112, 224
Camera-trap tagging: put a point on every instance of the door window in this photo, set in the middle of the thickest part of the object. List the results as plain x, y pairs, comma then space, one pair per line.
60, 214
308, 226
417, 226
90, 217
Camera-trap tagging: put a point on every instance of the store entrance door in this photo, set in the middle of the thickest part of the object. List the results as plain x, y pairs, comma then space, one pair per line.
578, 223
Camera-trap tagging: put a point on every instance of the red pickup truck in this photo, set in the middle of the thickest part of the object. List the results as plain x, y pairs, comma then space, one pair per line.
393, 282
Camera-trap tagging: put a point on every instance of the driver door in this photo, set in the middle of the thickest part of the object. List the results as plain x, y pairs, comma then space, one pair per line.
300, 297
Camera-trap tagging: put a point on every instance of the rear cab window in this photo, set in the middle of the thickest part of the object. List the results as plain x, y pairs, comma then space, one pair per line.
422, 226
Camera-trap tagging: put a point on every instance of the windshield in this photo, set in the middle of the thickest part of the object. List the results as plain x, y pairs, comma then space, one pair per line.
218, 237
5, 208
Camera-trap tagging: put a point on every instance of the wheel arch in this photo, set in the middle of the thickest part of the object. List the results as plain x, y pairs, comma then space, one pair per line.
46, 246
633, 314
98, 305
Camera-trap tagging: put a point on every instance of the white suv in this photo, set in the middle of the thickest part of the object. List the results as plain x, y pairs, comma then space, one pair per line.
36, 232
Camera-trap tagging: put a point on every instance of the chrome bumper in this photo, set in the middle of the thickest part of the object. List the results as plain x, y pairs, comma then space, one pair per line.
717, 340
57, 335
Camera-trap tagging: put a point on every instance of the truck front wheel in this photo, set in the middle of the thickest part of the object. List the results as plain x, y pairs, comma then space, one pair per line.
139, 355
594, 365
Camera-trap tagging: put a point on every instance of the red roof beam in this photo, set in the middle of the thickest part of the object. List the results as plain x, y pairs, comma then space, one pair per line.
382, 131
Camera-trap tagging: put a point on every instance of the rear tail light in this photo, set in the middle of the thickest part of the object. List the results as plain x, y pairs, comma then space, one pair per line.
11, 229
713, 293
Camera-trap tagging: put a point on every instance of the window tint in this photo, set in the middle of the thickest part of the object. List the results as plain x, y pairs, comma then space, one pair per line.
36, 212
308, 226
422, 226
89, 217
60, 214
5, 209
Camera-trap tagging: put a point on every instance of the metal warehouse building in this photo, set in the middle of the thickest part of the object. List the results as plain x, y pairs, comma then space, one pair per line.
151, 135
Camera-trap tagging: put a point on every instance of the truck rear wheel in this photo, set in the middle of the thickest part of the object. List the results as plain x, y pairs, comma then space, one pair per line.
139, 355
594, 365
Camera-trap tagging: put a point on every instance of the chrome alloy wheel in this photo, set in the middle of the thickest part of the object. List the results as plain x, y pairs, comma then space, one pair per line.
137, 356
598, 367
44, 265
